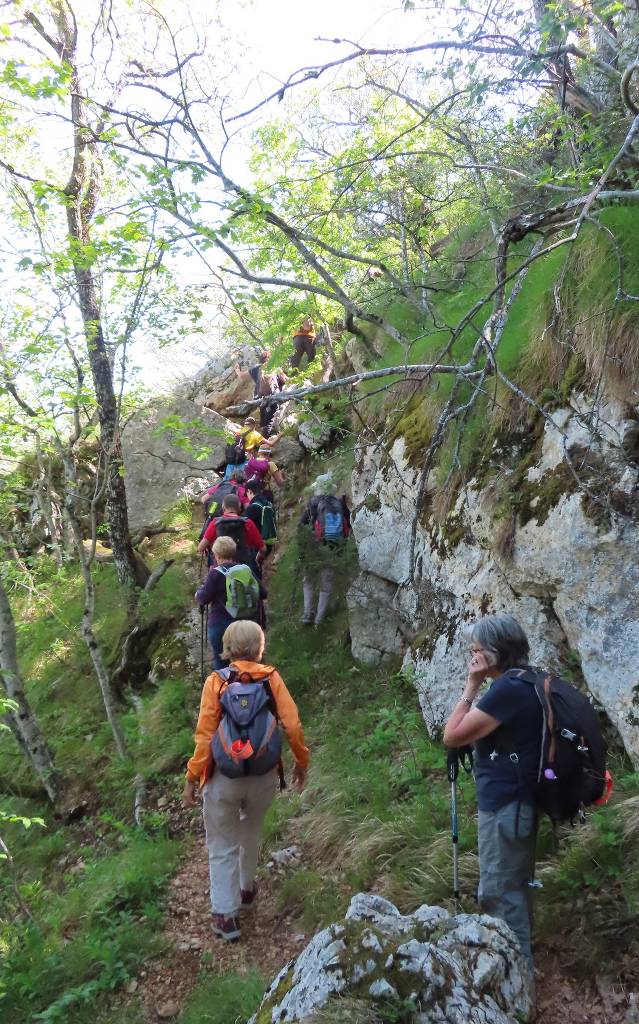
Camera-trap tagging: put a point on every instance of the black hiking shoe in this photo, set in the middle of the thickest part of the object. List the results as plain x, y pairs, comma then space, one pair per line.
249, 896
226, 928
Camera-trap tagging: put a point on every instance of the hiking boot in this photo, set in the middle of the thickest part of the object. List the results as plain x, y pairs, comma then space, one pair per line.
306, 620
249, 897
226, 928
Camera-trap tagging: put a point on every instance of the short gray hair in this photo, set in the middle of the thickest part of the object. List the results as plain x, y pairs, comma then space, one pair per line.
502, 635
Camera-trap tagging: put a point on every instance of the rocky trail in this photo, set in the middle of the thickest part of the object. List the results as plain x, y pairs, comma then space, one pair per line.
270, 938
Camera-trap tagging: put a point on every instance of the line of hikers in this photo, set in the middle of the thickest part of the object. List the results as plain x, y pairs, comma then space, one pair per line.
266, 383
538, 744
237, 760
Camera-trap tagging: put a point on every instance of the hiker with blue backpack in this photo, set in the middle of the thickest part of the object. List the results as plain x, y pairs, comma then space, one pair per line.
236, 766
244, 446
538, 748
323, 530
231, 591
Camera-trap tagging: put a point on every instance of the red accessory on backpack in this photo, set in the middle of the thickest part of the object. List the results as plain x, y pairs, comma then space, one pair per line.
609, 785
241, 750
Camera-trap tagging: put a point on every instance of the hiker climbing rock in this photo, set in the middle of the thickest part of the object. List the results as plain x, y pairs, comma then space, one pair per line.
251, 549
237, 763
266, 383
304, 342
323, 529
244, 445
262, 468
231, 592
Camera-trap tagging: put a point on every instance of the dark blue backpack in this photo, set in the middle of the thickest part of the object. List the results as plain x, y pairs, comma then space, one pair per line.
248, 740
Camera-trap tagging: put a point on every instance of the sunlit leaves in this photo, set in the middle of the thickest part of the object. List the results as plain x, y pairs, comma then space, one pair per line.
29, 81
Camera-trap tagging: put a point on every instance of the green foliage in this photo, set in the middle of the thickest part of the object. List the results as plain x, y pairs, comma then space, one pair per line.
230, 998
90, 937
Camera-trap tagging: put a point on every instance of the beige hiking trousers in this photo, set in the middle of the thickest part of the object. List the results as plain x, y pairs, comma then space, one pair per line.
234, 811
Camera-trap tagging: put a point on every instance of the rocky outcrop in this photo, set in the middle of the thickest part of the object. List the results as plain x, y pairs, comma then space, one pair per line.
553, 543
449, 969
216, 385
164, 463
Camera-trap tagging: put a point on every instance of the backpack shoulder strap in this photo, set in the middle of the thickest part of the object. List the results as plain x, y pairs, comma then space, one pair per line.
223, 569
227, 675
266, 683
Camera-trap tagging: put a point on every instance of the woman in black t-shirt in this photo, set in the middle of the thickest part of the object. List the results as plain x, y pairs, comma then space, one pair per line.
506, 726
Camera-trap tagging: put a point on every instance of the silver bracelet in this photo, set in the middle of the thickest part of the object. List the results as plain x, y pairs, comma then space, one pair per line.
467, 700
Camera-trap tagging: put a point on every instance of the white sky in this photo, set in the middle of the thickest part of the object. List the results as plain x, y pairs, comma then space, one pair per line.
274, 39
281, 36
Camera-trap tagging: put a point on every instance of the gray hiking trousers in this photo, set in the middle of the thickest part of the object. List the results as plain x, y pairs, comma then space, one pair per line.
506, 866
234, 810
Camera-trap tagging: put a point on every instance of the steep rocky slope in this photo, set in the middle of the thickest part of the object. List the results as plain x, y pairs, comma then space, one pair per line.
548, 530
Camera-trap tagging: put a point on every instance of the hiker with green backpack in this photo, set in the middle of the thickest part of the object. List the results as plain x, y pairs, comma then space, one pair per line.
261, 512
538, 748
236, 765
231, 592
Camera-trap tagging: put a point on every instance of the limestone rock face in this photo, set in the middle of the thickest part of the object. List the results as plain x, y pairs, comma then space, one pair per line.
217, 385
465, 968
314, 434
566, 566
287, 451
159, 470
227, 389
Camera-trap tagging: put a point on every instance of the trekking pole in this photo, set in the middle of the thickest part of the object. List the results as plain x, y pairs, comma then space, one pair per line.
452, 764
202, 607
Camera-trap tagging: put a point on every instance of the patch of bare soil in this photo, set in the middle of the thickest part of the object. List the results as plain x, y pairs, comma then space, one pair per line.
565, 999
163, 986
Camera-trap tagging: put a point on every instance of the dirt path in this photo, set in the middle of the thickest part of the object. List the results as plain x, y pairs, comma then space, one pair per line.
164, 984
269, 940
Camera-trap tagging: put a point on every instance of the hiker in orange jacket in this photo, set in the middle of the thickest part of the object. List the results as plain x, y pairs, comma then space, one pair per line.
234, 808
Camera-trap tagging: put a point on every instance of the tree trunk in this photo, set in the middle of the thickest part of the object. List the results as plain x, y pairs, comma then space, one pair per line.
101, 671
43, 494
82, 190
22, 722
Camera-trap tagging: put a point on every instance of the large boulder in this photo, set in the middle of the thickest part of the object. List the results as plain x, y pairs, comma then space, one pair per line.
314, 434
287, 451
217, 379
466, 969
227, 390
163, 465
565, 565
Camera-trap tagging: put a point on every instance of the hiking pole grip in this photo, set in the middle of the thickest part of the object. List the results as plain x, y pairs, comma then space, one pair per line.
452, 763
